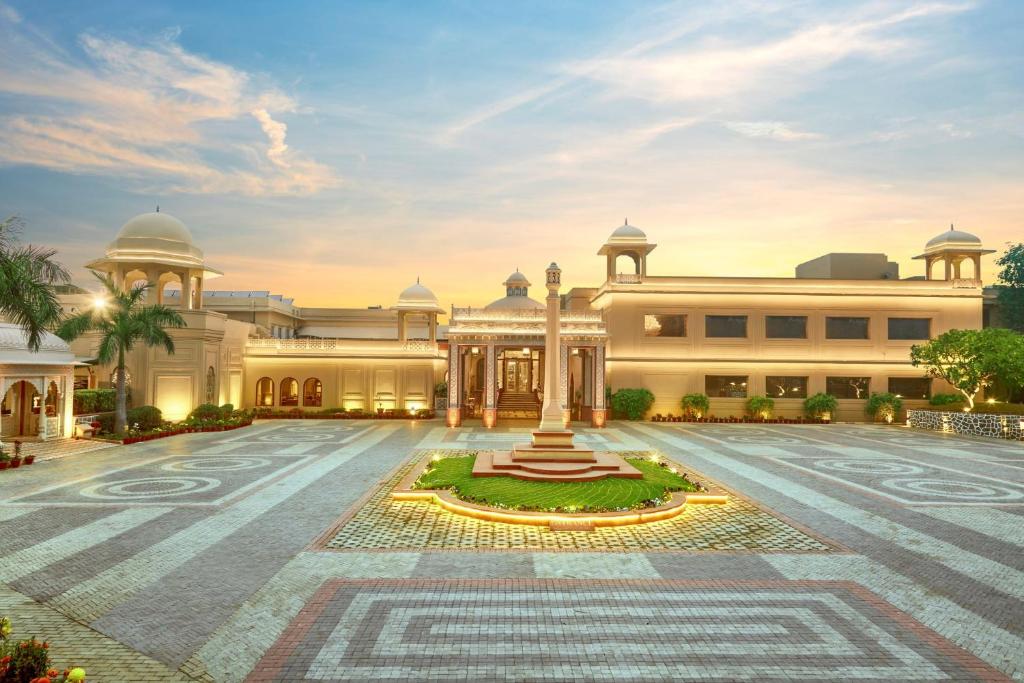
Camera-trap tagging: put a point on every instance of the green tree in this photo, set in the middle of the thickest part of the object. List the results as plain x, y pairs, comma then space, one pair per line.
1010, 291
28, 280
122, 322
971, 360
633, 403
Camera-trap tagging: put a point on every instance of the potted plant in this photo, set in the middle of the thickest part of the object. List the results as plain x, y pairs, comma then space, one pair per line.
26, 459
820, 407
4, 458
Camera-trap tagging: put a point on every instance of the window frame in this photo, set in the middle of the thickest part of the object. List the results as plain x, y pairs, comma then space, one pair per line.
888, 329
686, 326
294, 397
863, 397
867, 331
260, 395
318, 391
769, 390
769, 337
745, 384
746, 326
889, 387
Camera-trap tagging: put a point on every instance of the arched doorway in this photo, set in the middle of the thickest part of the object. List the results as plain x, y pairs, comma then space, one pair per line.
20, 410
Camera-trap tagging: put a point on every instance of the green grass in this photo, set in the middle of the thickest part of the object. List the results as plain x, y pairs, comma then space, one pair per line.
612, 493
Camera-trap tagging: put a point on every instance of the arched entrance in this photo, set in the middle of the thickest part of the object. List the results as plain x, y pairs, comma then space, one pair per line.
21, 406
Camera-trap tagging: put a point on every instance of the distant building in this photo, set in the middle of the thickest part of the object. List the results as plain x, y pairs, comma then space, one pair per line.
844, 325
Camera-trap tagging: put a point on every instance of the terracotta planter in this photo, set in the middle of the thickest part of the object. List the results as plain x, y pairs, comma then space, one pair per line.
15, 463
29, 459
3, 465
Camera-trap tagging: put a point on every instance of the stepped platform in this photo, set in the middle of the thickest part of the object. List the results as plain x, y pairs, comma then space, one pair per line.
600, 465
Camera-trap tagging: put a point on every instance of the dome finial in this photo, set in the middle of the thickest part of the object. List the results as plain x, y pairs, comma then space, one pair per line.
417, 279
627, 222
158, 208
951, 227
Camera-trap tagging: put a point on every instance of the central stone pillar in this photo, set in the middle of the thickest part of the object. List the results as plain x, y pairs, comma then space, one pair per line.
552, 440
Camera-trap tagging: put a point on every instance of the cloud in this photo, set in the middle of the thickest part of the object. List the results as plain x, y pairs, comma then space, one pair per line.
774, 130
152, 112
717, 70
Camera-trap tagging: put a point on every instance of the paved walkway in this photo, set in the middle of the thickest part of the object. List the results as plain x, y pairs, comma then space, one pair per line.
235, 556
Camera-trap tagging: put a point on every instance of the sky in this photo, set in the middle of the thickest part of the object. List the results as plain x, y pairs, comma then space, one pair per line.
334, 152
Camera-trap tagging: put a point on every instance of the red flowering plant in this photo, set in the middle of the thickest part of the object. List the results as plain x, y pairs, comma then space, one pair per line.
28, 661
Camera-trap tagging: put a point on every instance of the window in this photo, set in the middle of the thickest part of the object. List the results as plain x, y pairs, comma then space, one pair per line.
727, 326
664, 325
911, 387
265, 392
847, 387
786, 387
724, 386
910, 328
289, 392
785, 326
312, 392
846, 328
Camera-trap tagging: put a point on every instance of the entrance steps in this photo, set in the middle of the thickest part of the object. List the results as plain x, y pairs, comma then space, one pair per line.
518, 405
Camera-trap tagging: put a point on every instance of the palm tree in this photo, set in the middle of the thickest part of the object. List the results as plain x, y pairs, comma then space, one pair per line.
122, 321
28, 280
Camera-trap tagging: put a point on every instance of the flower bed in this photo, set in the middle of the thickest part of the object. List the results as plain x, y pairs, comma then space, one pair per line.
730, 420
183, 429
29, 660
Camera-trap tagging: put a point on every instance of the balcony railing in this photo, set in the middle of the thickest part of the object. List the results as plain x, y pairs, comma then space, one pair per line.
343, 345
966, 283
627, 279
522, 315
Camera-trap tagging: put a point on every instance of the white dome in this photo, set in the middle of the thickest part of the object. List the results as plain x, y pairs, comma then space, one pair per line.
954, 237
14, 348
516, 279
627, 233
514, 302
416, 297
156, 225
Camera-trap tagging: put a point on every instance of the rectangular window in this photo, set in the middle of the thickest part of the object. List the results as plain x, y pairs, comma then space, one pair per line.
911, 387
785, 326
786, 387
846, 328
847, 387
910, 328
725, 326
725, 386
658, 325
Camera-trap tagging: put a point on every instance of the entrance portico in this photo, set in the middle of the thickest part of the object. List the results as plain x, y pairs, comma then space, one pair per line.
496, 360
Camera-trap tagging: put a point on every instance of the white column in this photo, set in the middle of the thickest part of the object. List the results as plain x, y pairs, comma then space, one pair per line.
454, 359
599, 377
42, 409
551, 412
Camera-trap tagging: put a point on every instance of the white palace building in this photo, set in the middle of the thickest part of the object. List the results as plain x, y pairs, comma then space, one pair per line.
843, 325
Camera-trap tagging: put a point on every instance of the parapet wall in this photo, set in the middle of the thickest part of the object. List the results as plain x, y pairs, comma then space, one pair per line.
969, 424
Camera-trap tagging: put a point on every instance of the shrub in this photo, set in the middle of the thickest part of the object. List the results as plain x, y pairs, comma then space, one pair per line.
696, 405
819, 405
204, 413
997, 408
147, 417
441, 389
760, 406
87, 401
106, 423
633, 403
227, 410
945, 399
883, 405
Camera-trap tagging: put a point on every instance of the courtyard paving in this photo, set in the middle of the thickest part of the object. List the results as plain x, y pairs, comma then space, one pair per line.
272, 553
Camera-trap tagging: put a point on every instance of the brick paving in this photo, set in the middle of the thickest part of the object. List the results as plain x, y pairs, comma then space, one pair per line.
851, 552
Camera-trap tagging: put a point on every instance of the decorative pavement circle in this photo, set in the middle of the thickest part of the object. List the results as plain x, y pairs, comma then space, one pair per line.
149, 487
378, 522
613, 630
961, 490
216, 464
869, 466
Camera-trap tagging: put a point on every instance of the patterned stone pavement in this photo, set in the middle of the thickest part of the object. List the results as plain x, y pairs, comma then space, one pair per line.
206, 557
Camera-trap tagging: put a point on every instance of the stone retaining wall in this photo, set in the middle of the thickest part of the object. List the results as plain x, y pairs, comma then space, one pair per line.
969, 424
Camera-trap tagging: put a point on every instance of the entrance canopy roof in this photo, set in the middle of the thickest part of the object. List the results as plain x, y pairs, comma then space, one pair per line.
523, 326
